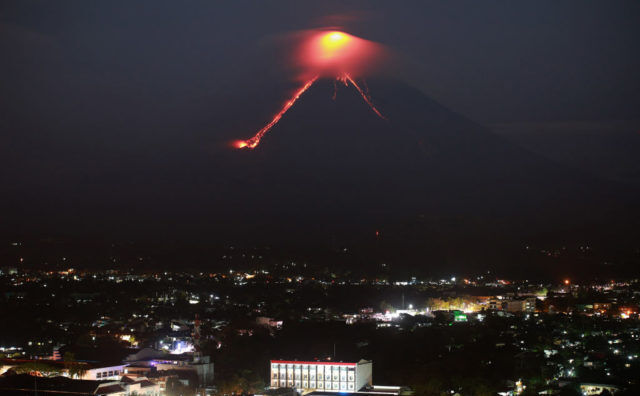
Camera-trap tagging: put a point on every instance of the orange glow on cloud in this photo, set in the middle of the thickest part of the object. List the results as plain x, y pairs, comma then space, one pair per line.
332, 53
333, 42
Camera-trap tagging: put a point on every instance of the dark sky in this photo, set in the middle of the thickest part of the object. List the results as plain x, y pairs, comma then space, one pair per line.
103, 88
495, 62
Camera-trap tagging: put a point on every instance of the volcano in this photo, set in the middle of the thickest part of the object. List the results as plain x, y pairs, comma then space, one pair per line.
335, 157
332, 166
423, 184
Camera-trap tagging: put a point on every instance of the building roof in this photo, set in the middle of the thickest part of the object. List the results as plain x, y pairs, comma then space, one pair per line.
142, 381
127, 380
331, 363
21, 383
358, 393
106, 390
145, 383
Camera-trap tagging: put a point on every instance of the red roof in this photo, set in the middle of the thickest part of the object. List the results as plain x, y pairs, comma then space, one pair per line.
110, 389
313, 362
145, 383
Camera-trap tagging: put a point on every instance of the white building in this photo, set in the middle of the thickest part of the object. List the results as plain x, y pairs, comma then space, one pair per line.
321, 376
104, 373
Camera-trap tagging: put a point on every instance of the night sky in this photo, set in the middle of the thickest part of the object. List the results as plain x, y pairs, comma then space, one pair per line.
115, 116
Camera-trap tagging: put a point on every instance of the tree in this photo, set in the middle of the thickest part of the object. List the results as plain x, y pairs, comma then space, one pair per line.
43, 369
76, 369
385, 306
244, 382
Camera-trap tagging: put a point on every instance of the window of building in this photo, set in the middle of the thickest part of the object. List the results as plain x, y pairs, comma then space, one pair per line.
110, 374
98, 375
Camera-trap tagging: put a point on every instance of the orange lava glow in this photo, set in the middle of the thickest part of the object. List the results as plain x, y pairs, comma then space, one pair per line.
331, 54
255, 140
365, 96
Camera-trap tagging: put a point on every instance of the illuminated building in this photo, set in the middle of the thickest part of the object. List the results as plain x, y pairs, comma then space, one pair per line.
321, 376
459, 316
527, 304
596, 389
102, 373
155, 360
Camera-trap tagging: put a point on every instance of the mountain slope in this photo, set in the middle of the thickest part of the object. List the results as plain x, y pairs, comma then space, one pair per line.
337, 158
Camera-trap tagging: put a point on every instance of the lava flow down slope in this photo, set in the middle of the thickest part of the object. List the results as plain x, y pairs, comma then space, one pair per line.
332, 54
